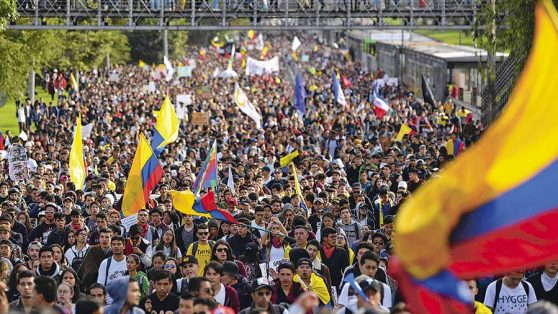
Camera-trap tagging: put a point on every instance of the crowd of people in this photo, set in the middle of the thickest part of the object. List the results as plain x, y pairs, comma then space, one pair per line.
64, 248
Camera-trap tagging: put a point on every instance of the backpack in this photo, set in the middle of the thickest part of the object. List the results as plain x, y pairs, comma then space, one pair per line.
78, 260
195, 246
499, 284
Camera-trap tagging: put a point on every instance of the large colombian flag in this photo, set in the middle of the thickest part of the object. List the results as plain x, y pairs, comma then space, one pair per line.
145, 173
494, 209
187, 203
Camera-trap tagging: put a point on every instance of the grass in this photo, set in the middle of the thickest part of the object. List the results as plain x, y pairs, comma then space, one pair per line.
448, 36
8, 120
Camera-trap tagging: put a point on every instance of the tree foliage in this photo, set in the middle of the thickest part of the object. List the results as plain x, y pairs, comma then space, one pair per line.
515, 27
8, 12
148, 46
22, 50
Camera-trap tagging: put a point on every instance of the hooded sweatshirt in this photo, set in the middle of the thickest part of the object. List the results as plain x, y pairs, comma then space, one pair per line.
118, 291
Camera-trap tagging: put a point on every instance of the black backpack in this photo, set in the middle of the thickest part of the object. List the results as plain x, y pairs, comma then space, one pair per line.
499, 284
78, 260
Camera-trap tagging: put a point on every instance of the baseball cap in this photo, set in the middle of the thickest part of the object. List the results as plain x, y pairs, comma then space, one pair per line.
260, 283
189, 259
402, 184
318, 200
7, 242
304, 261
231, 268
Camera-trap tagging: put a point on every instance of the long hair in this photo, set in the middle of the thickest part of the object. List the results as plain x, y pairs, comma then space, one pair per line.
174, 248
230, 256
77, 287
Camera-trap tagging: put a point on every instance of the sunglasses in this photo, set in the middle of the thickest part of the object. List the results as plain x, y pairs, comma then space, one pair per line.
203, 233
221, 250
263, 293
169, 266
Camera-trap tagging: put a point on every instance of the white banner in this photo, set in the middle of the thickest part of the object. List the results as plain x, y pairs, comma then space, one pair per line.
129, 221
257, 67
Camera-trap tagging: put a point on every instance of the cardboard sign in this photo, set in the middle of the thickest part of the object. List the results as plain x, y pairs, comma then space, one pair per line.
200, 118
129, 221
272, 265
185, 71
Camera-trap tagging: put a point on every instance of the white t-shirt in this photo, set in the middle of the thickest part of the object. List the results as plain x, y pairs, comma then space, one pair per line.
350, 302
512, 301
254, 224
117, 269
276, 253
220, 297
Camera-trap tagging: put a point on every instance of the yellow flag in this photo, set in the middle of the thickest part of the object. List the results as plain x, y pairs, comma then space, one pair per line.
167, 124
76, 164
403, 130
295, 57
183, 201
286, 160
251, 34
296, 184
73, 81
141, 64
264, 52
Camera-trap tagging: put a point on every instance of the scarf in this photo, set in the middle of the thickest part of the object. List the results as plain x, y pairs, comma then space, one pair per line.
144, 229
129, 249
328, 251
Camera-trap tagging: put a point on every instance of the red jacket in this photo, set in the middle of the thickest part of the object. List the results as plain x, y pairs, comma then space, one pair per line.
231, 299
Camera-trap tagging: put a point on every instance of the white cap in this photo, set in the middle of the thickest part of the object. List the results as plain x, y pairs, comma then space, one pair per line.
402, 184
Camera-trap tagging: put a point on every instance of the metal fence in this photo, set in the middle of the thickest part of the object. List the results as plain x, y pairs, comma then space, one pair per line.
317, 14
506, 75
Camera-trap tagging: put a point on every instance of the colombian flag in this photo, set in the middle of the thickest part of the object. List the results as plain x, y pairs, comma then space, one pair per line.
166, 128
187, 203
207, 178
144, 175
495, 208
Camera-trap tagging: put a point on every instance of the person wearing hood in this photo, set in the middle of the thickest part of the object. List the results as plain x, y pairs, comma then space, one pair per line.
125, 293
47, 265
232, 277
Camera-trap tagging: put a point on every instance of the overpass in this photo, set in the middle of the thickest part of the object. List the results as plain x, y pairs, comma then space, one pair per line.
244, 14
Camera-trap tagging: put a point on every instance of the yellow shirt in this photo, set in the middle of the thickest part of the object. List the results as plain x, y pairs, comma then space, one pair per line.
481, 308
203, 255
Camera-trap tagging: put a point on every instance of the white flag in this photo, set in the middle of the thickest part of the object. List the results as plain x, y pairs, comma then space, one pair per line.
296, 44
169, 68
245, 106
230, 181
260, 42
23, 136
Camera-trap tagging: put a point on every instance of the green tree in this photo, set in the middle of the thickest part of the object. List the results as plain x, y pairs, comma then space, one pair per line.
22, 50
515, 27
8, 12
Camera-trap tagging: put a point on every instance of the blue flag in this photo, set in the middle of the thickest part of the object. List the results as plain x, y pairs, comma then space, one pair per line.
300, 95
350, 279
